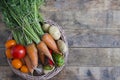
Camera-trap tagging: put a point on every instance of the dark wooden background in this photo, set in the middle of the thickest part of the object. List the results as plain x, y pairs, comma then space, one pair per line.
92, 29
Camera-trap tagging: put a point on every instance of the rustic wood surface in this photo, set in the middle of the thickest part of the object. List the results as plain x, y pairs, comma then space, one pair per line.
92, 29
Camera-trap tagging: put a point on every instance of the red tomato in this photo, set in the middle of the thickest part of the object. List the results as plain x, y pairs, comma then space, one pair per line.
18, 51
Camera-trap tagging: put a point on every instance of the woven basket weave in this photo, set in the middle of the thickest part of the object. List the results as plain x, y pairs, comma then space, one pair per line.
50, 74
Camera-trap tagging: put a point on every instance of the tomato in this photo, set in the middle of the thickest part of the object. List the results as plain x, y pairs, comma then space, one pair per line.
24, 69
16, 63
10, 43
18, 51
8, 53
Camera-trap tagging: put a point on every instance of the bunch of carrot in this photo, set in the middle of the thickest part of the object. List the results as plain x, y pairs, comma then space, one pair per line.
23, 19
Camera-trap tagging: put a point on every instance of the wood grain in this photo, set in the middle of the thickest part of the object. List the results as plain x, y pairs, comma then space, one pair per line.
3, 60
7, 74
93, 57
93, 38
4, 33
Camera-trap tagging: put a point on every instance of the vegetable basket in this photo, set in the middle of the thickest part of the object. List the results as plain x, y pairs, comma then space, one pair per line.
56, 69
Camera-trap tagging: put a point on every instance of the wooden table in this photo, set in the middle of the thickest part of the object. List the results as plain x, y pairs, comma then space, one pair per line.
92, 29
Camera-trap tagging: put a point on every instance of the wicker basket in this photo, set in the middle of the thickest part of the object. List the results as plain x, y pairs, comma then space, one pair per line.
50, 74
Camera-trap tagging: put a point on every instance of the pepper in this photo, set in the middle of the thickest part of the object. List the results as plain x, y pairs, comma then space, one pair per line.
48, 67
58, 59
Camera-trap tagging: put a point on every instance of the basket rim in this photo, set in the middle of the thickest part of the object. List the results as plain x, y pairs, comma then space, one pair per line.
53, 72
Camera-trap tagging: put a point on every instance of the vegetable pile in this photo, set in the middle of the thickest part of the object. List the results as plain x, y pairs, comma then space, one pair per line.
34, 41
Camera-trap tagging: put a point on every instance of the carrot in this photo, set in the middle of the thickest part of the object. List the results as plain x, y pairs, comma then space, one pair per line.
29, 64
43, 48
42, 57
32, 53
23, 61
49, 41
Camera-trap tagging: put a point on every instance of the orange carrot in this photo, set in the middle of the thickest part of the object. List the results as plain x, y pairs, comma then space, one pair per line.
32, 53
42, 57
43, 48
49, 41
29, 64
23, 61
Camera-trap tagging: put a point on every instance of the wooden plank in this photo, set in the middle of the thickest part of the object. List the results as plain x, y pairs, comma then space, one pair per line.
72, 73
95, 14
94, 57
89, 73
3, 38
116, 18
71, 20
90, 57
93, 38
7, 74
77, 14
83, 5
3, 60
115, 4
4, 33
85, 57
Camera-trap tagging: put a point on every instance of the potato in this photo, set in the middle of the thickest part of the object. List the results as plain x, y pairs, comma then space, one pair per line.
62, 46
54, 32
46, 27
